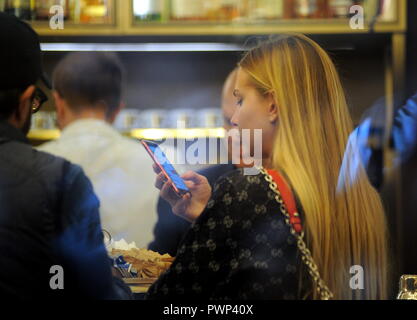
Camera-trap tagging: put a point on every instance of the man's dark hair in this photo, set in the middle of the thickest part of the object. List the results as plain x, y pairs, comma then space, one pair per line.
9, 101
20, 62
92, 79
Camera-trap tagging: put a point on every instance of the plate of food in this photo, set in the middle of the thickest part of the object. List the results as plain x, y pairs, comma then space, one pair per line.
139, 268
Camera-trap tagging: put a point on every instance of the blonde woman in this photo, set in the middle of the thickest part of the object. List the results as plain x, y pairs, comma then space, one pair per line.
242, 244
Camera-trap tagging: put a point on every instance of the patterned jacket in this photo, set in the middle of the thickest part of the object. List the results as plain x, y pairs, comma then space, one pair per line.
239, 248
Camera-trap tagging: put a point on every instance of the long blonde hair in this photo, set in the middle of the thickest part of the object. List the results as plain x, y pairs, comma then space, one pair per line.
343, 216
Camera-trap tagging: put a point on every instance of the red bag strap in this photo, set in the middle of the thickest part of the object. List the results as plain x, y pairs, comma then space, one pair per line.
288, 198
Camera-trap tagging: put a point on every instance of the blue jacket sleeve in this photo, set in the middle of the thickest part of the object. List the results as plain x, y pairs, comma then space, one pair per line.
405, 129
368, 138
79, 241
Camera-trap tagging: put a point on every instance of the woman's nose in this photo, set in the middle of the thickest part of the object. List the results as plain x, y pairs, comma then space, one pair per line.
234, 120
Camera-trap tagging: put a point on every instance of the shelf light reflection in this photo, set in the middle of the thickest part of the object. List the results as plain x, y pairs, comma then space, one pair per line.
140, 47
150, 134
191, 133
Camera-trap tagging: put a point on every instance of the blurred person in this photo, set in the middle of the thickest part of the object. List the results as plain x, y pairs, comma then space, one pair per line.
48, 211
242, 245
404, 137
396, 181
87, 93
170, 228
369, 136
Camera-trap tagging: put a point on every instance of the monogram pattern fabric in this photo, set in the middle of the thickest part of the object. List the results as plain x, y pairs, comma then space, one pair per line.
239, 248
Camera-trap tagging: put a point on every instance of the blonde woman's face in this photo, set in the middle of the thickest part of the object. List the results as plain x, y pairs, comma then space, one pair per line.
254, 111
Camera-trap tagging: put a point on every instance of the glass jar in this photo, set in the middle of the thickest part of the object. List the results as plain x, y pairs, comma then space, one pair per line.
408, 288
42, 8
188, 10
148, 10
305, 8
340, 8
94, 11
23, 9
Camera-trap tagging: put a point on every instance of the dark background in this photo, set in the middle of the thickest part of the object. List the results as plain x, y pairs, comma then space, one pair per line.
412, 48
194, 79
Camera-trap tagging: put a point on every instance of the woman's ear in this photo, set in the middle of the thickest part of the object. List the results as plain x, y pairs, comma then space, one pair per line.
273, 109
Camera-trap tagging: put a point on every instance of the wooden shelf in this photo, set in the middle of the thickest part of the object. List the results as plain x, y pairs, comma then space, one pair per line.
124, 24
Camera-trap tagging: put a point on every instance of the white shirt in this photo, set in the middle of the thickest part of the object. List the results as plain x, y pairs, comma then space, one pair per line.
121, 172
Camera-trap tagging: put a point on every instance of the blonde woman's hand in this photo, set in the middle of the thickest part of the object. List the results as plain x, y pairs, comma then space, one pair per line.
189, 207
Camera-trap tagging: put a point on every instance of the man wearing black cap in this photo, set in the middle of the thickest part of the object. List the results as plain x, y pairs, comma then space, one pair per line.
51, 243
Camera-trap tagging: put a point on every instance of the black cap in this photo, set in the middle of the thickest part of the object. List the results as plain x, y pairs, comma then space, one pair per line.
20, 54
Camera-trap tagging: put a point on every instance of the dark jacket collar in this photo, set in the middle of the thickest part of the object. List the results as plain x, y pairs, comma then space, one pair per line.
11, 133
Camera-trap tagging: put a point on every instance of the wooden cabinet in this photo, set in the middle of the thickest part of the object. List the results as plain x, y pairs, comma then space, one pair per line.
221, 17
